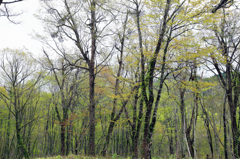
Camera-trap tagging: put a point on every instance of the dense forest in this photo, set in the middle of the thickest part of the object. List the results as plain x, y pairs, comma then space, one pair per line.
127, 78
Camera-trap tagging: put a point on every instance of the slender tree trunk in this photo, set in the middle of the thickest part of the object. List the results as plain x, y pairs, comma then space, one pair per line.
62, 139
233, 125
232, 106
225, 129
46, 138
105, 146
171, 143
63, 129
190, 144
136, 129
209, 136
187, 129
239, 132
76, 148
28, 141
149, 123
20, 146
176, 133
228, 84
128, 143
135, 148
146, 139
7, 150
68, 142
91, 144
183, 122
193, 120
116, 92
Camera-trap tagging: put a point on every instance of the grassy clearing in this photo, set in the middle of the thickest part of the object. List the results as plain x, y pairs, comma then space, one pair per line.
82, 157
115, 156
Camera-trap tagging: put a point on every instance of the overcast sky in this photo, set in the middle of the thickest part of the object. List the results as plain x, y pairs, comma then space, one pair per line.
19, 36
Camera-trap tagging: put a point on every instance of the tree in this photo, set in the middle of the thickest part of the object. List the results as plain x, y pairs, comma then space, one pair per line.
171, 27
86, 33
6, 12
20, 83
1, 2
222, 4
114, 116
67, 86
226, 62
149, 99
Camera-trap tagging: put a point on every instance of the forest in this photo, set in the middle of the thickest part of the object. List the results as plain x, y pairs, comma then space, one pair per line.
133, 79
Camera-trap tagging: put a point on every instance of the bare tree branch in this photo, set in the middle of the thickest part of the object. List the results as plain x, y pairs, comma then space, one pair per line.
1, 2
222, 4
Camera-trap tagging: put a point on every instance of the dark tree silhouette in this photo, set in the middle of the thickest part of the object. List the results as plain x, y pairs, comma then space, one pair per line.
1, 2
6, 12
221, 4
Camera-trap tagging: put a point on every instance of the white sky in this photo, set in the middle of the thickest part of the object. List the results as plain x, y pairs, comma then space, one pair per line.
18, 36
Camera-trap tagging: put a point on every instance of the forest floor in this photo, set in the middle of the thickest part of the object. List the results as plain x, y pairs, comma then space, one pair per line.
109, 157
82, 157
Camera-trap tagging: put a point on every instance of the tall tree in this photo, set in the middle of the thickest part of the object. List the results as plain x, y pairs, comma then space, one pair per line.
67, 81
18, 71
88, 34
226, 64
171, 27
115, 116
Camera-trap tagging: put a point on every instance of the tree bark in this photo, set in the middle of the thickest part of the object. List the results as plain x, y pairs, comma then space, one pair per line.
225, 129
7, 150
20, 145
209, 135
183, 121
136, 127
91, 143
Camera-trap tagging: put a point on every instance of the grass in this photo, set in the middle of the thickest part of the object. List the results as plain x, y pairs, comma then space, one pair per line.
82, 157
115, 156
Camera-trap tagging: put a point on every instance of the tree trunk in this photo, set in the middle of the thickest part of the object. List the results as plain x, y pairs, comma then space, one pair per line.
62, 139
91, 144
209, 136
225, 129
136, 126
229, 83
146, 139
20, 146
232, 106
183, 121
105, 146
149, 122
68, 142
7, 150
171, 143
116, 92
190, 144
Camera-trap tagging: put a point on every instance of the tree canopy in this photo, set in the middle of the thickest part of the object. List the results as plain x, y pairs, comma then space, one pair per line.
125, 79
